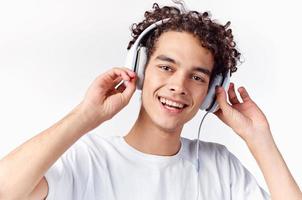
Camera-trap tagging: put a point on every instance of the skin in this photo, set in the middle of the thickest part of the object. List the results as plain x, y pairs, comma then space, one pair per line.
155, 130
152, 133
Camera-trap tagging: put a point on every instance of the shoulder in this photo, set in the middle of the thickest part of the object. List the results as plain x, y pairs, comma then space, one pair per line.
96, 144
92, 140
213, 158
82, 155
206, 149
88, 148
77, 169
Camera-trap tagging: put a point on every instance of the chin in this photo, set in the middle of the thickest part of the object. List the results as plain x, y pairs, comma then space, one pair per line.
161, 123
169, 126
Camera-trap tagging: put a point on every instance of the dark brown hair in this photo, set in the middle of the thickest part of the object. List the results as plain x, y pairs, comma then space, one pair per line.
217, 38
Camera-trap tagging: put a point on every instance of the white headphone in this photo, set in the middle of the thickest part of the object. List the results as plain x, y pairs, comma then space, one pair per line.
137, 58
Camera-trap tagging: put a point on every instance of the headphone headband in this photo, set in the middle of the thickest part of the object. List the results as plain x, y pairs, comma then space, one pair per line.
132, 53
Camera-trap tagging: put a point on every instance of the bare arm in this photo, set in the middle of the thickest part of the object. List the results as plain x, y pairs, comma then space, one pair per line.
250, 123
40, 192
22, 170
276, 173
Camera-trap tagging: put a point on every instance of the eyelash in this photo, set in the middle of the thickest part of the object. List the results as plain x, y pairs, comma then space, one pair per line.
200, 79
165, 66
168, 68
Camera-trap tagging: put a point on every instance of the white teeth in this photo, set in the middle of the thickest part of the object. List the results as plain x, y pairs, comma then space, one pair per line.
171, 103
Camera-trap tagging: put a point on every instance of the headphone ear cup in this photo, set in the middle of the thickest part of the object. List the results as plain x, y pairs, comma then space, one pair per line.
140, 66
225, 85
210, 104
208, 101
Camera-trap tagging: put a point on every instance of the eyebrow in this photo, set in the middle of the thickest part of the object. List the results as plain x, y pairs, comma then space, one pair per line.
171, 60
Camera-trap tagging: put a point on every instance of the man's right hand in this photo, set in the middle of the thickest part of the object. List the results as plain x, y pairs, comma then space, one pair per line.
102, 101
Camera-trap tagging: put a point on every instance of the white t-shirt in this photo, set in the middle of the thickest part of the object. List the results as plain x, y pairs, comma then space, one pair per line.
108, 168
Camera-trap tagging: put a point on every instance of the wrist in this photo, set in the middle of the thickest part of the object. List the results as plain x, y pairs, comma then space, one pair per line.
87, 118
260, 142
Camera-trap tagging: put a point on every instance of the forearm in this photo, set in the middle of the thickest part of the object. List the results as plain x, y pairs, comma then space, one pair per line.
276, 173
22, 169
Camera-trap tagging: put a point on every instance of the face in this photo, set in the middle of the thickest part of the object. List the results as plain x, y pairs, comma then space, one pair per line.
176, 80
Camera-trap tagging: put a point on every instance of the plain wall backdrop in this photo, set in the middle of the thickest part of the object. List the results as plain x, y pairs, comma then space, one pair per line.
51, 51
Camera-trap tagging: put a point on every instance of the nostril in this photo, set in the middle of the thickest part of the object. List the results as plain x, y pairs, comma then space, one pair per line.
178, 90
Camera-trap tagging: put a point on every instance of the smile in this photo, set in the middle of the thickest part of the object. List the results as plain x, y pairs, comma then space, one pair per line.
172, 105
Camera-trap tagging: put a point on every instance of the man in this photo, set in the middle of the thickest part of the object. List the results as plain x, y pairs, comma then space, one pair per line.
152, 161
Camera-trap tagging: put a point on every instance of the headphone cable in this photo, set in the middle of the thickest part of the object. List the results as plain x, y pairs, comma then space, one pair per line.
197, 153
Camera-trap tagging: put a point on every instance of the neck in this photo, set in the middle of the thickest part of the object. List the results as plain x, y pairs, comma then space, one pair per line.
149, 138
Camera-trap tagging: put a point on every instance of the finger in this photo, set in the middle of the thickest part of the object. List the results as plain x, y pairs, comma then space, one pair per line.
106, 80
121, 87
126, 76
225, 111
129, 72
119, 72
129, 90
232, 95
113, 89
244, 94
117, 80
222, 100
218, 113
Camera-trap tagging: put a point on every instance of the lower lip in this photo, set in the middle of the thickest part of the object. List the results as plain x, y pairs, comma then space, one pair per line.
170, 110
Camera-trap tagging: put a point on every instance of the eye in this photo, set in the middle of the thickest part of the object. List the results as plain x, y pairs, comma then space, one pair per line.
166, 68
197, 78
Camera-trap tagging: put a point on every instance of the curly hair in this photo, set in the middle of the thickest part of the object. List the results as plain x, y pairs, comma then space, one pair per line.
217, 38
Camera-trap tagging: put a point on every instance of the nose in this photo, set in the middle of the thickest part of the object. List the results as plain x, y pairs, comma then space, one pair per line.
177, 84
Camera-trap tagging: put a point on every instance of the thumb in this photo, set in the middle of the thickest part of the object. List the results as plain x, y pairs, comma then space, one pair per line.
130, 88
225, 113
221, 98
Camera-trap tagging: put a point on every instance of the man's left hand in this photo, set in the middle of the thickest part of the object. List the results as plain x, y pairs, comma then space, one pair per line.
245, 117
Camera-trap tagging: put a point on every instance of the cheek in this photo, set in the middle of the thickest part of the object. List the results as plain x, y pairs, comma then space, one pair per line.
152, 78
200, 96
151, 71
150, 85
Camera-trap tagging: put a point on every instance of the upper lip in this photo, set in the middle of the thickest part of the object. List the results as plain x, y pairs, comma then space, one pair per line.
174, 100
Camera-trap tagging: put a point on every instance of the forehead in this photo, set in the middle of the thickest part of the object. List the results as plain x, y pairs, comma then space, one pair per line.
184, 48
